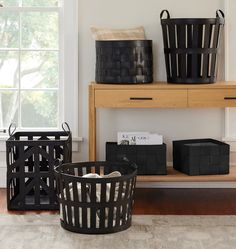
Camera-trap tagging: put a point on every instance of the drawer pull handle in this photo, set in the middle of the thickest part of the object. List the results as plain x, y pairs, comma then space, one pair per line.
137, 98
228, 98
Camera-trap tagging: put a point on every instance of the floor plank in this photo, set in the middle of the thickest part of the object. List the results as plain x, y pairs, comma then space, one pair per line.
185, 201
169, 202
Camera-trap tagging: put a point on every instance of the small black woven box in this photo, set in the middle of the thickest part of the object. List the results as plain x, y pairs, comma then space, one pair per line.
150, 159
201, 157
124, 61
30, 163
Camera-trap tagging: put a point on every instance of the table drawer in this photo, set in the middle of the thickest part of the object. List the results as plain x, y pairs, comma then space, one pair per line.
141, 98
212, 98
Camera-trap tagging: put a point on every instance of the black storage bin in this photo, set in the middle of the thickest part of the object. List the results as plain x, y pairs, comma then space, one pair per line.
150, 159
191, 48
201, 157
30, 163
124, 61
95, 205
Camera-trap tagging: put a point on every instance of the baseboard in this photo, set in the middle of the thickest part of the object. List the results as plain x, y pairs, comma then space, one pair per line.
186, 185
3, 175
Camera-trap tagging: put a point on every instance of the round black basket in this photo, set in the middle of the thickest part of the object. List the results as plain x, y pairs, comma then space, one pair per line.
124, 61
191, 48
95, 205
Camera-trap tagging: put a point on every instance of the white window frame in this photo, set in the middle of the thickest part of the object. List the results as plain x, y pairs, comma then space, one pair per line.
70, 58
68, 63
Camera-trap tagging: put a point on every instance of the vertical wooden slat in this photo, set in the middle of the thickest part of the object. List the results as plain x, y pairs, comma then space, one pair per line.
51, 176
92, 124
93, 200
118, 211
126, 197
189, 45
30, 159
181, 34
207, 42
37, 175
62, 197
76, 202
166, 45
22, 175
173, 45
102, 209
111, 207
84, 208
195, 63
199, 55
68, 199
215, 43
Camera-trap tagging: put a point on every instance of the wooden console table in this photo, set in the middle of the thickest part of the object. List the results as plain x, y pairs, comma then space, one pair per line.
161, 95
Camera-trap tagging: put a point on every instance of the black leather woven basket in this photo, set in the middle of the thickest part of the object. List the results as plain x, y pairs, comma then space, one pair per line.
124, 61
191, 48
201, 156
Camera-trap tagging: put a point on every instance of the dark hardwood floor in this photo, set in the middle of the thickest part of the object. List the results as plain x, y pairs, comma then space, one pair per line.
170, 202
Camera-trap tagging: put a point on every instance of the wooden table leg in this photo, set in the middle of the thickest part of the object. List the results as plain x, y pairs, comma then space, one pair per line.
92, 125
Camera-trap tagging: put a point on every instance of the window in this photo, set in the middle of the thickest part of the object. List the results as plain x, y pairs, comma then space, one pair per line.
33, 50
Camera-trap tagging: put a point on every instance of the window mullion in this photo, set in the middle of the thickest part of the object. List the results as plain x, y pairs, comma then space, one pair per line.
19, 86
61, 105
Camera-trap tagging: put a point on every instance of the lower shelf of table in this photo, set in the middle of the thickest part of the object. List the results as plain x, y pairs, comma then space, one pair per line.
175, 176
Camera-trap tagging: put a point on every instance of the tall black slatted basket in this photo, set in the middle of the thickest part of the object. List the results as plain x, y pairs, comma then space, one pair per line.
95, 205
191, 47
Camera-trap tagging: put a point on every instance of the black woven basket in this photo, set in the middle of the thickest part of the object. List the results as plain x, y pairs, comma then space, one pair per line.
191, 48
95, 205
201, 156
124, 61
150, 159
30, 160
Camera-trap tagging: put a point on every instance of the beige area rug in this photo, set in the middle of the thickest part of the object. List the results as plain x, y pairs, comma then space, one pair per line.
147, 232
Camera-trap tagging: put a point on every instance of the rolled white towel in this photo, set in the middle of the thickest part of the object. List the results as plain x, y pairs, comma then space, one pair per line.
98, 193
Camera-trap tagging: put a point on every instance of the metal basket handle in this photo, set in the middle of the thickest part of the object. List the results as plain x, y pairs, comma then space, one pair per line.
11, 129
66, 127
220, 14
167, 13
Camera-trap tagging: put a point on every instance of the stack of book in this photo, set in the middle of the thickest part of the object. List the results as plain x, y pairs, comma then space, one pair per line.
139, 138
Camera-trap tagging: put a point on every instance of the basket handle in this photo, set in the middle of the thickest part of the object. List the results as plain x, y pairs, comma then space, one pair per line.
11, 129
167, 13
220, 14
66, 128
133, 164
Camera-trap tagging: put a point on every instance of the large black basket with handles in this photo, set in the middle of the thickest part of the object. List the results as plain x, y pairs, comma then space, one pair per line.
191, 47
95, 205
30, 160
124, 61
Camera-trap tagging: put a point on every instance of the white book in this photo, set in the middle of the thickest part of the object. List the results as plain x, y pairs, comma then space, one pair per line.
139, 138
150, 139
